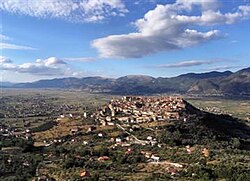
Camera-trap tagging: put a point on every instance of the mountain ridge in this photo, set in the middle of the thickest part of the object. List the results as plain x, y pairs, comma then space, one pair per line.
214, 82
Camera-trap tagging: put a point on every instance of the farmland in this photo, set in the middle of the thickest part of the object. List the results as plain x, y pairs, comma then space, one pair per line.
236, 107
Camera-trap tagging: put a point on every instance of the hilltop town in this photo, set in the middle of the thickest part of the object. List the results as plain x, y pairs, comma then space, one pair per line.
142, 109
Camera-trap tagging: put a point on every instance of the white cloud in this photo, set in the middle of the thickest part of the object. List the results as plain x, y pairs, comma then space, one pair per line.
234, 41
11, 46
169, 27
205, 4
189, 63
70, 10
41, 67
81, 59
4, 37
4, 60
6, 63
224, 67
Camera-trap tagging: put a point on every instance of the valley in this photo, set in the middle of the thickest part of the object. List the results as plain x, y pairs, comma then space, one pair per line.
74, 135
119, 90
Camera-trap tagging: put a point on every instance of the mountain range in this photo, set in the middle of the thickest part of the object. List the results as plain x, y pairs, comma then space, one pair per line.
221, 83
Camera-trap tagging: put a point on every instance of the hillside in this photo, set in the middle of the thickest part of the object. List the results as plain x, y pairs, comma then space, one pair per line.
226, 83
238, 82
175, 115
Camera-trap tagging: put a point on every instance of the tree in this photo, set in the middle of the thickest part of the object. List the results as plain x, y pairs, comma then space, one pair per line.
236, 143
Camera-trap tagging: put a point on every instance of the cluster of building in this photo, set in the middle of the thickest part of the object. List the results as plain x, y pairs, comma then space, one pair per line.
214, 110
14, 132
22, 107
141, 109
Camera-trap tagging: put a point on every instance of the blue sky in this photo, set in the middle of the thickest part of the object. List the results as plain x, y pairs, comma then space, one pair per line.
52, 38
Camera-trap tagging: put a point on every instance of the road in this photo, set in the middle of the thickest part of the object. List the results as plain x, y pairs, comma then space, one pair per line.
133, 136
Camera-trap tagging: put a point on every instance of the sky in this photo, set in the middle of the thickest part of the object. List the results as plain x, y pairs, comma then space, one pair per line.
45, 39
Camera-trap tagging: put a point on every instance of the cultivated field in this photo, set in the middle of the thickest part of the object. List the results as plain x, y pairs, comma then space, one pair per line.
236, 107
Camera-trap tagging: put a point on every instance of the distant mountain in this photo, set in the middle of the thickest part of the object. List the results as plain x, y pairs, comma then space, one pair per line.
227, 82
207, 75
88, 83
133, 84
238, 82
6, 84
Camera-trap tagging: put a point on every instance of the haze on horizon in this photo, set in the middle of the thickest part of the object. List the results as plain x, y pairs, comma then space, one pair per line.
52, 38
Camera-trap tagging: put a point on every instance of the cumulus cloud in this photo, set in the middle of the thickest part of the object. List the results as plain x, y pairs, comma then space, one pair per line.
170, 27
71, 10
42, 67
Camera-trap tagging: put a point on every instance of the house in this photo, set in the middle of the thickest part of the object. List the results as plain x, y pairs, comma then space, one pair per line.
103, 122
205, 151
28, 136
103, 158
91, 128
159, 118
17, 134
153, 142
112, 112
129, 151
172, 171
149, 138
74, 130
125, 144
111, 124
155, 158
176, 165
100, 134
146, 154
75, 115
122, 119
26, 164
108, 118
85, 174
118, 140
190, 149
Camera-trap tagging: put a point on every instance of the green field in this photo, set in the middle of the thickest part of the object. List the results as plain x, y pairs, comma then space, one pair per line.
56, 101
63, 96
237, 108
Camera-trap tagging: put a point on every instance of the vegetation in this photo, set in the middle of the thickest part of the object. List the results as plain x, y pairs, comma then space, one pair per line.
207, 146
